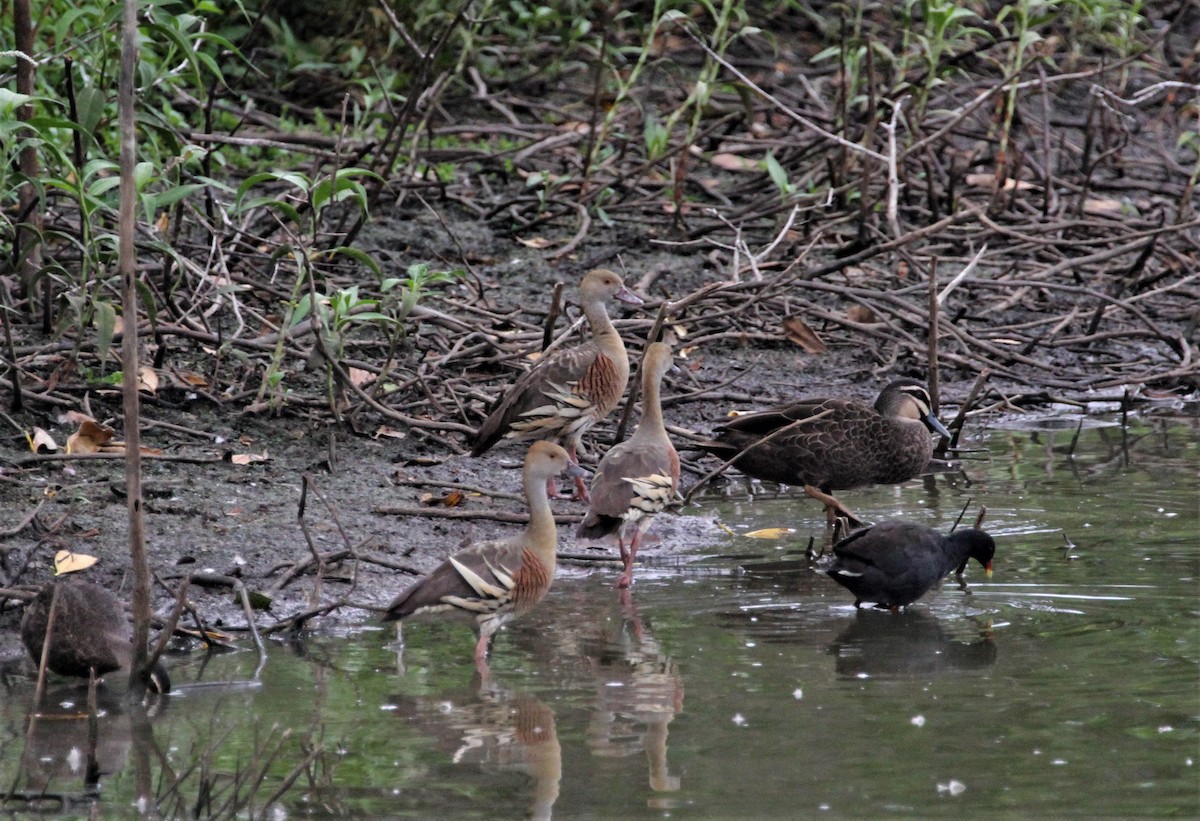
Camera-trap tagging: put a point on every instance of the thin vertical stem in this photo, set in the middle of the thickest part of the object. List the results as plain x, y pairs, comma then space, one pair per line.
127, 261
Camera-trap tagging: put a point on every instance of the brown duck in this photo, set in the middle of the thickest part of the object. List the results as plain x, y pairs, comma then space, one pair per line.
835, 444
639, 477
494, 581
566, 393
91, 633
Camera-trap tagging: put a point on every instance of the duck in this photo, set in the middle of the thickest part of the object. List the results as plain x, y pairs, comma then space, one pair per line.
561, 397
91, 635
828, 444
638, 478
894, 563
494, 581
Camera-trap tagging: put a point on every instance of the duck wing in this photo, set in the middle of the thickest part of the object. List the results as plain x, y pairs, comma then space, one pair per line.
481, 579
558, 382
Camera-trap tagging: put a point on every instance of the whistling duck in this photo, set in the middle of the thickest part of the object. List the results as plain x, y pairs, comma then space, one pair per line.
639, 477
894, 563
90, 634
496, 580
835, 444
566, 393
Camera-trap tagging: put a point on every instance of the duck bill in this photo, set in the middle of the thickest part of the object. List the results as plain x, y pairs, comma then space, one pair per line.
574, 471
935, 425
987, 568
628, 297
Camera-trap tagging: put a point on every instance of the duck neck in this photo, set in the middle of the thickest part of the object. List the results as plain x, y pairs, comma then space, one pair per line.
652, 415
541, 534
603, 331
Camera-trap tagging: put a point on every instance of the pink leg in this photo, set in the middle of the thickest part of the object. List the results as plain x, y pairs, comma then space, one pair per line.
481, 650
627, 554
581, 488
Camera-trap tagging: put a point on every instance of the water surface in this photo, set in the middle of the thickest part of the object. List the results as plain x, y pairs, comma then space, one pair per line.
740, 684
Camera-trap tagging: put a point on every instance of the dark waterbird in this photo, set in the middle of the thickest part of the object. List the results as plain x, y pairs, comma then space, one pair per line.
494, 581
90, 633
895, 563
835, 444
569, 391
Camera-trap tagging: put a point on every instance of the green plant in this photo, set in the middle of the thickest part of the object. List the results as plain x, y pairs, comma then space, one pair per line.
936, 29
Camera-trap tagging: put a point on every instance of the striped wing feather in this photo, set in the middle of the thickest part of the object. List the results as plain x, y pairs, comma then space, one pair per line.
480, 579
632, 481
534, 392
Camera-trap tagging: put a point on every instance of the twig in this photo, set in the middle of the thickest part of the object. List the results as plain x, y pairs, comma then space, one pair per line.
452, 513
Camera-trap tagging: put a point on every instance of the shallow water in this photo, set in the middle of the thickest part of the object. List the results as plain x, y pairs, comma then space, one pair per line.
742, 684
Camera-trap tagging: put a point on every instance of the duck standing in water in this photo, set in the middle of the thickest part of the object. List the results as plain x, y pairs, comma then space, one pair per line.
494, 581
639, 477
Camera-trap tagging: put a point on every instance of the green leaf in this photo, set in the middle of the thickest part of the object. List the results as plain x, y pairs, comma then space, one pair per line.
146, 297
359, 256
10, 101
106, 325
165, 199
778, 174
89, 103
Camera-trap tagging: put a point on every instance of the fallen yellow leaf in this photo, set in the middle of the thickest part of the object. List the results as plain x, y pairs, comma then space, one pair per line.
248, 458
147, 380
770, 533
67, 562
361, 376
41, 441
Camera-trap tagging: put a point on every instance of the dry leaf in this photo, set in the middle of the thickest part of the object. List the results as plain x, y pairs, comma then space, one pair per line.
162, 223
390, 433
41, 441
67, 562
989, 181
734, 162
536, 242
1103, 207
248, 458
770, 533
453, 498
148, 380
187, 379
860, 313
361, 376
799, 333
91, 437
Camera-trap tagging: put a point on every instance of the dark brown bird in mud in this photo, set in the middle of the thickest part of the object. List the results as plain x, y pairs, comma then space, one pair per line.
494, 581
90, 633
835, 444
639, 477
566, 393
894, 563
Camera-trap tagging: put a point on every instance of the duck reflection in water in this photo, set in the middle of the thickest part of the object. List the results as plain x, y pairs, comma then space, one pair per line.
636, 683
907, 643
66, 754
495, 728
